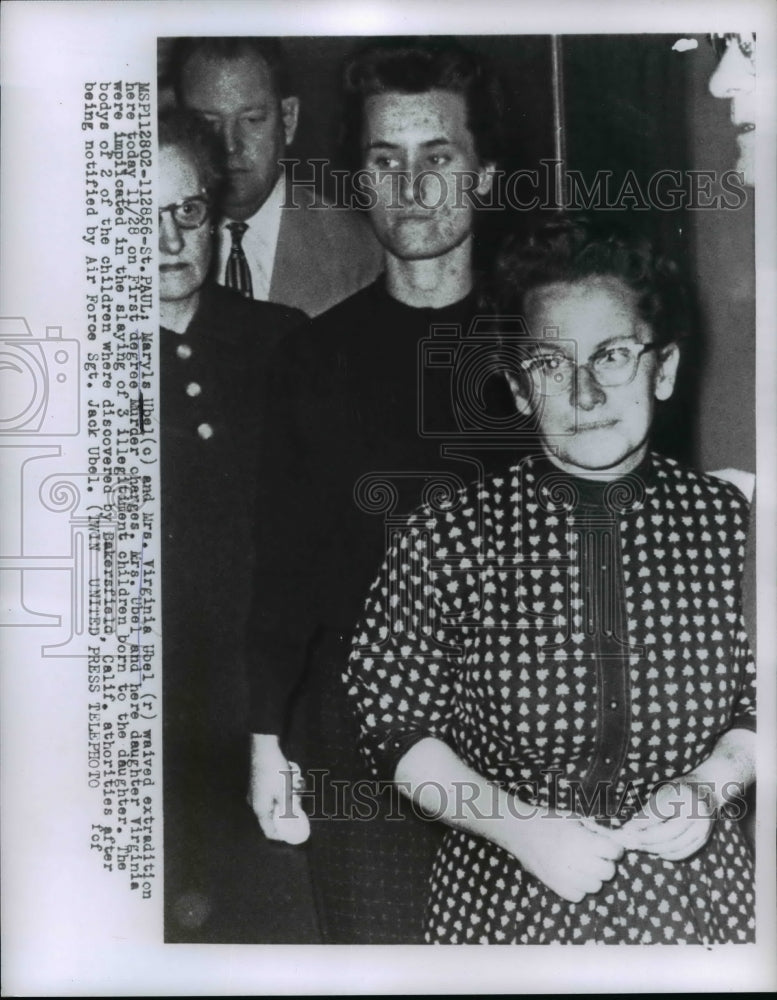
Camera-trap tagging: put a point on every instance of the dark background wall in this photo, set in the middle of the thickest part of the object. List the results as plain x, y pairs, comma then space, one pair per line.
623, 116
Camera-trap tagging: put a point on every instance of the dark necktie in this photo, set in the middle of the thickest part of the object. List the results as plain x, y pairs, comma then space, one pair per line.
238, 275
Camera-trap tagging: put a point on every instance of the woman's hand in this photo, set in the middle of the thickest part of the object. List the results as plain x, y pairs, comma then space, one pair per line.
676, 822
566, 853
271, 792
678, 818
571, 856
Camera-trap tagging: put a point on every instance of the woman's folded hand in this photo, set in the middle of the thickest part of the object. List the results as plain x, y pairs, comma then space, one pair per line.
566, 853
675, 823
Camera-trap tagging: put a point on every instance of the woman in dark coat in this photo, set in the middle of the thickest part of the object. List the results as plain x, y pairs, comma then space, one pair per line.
213, 353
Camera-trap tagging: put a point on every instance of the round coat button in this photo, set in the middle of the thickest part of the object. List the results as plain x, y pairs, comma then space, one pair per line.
193, 389
205, 431
183, 351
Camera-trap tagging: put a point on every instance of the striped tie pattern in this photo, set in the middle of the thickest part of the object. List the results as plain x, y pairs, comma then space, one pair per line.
238, 275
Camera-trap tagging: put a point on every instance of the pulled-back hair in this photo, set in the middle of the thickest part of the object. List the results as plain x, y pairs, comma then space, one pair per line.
571, 250
415, 66
269, 50
184, 130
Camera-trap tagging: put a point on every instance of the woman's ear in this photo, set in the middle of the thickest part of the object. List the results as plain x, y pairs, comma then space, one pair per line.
522, 401
290, 115
666, 374
485, 178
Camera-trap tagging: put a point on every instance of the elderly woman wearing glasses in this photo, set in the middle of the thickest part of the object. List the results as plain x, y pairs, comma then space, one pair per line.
214, 348
554, 663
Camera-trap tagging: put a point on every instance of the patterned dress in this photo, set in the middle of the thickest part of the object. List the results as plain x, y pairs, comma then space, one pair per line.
575, 643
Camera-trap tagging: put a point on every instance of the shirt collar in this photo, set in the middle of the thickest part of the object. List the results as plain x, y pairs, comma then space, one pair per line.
626, 490
263, 225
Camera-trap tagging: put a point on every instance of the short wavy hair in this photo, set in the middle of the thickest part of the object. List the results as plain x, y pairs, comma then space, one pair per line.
415, 66
570, 250
186, 131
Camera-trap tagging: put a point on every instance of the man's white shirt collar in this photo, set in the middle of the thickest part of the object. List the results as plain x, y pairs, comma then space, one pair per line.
260, 241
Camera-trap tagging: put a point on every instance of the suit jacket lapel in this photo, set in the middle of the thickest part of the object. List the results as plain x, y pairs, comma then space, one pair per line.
300, 272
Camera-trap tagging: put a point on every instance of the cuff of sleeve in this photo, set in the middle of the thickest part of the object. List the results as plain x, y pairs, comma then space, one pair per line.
274, 669
266, 720
744, 721
391, 750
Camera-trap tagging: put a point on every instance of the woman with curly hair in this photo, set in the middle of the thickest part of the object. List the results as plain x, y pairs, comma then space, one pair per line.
554, 664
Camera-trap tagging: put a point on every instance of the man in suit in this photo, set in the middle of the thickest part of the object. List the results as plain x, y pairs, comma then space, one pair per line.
294, 250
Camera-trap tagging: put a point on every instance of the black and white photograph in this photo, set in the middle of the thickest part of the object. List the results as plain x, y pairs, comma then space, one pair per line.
391, 478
